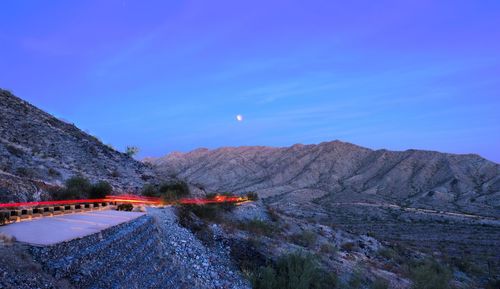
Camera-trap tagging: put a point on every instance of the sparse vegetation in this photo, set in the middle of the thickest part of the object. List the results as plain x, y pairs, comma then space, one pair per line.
79, 187
54, 173
100, 190
379, 283
429, 273
305, 239
348, 246
25, 172
168, 191
294, 271
125, 207
327, 248
252, 196
131, 151
258, 227
4, 217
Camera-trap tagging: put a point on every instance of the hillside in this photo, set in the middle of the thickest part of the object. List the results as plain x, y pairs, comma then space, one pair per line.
342, 172
441, 204
38, 150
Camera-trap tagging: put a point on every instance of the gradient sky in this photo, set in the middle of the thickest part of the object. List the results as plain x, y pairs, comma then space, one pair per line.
172, 75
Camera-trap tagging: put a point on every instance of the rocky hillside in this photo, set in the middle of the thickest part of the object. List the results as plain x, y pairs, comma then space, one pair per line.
342, 172
38, 150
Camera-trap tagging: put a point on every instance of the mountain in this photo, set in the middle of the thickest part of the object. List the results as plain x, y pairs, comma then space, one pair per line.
445, 205
342, 172
38, 151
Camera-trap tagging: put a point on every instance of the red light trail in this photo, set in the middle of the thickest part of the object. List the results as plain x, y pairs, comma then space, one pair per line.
133, 199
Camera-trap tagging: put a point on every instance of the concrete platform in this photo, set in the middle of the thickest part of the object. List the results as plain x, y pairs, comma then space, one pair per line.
53, 230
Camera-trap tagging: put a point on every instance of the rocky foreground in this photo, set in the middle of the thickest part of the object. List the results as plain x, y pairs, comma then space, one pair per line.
153, 251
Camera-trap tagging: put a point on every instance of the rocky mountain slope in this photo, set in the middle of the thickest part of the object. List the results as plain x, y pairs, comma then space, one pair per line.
444, 205
342, 172
38, 150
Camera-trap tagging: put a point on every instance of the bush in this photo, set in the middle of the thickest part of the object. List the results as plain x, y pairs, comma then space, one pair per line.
4, 217
293, 271
258, 227
305, 239
252, 196
380, 283
206, 212
169, 191
348, 246
100, 190
79, 187
131, 151
125, 207
327, 248
430, 274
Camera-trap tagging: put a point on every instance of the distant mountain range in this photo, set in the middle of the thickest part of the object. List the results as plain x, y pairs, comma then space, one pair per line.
342, 172
38, 150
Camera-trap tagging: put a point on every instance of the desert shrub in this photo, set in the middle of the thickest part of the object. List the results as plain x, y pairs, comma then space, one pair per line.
379, 283
207, 212
54, 173
150, 190
131, 151
173, 191
7, 239
115, 173
125, 207
348, 246
355, 280
493, 284
293, 271
252, 196
327, 248
100, 190
387, 253
429, 273
25, 172
258, 227
79, 187
273, 214
168, 191
4, 217
305, 238
15, 151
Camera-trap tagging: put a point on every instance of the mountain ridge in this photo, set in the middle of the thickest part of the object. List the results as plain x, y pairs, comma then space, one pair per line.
429, 178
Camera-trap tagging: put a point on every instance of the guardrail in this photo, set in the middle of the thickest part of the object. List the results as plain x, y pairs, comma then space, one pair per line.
15, 212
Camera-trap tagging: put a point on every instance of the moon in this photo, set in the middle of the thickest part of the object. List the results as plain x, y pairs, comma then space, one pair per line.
239, 118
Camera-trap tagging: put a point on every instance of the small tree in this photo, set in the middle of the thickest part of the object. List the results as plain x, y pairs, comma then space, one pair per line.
131, 151
100, 190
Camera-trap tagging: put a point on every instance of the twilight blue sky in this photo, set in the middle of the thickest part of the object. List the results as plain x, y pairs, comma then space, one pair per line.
172, 75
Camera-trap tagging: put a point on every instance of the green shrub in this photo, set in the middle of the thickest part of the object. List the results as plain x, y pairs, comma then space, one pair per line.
327, 248
305, 238
79, 187
168, 191
125, 207
131, 151
430, 274
252, 196
100, 190
348, 246
258, 227
4, 217
150, 190
293, 271
379, 283
206, 212
356, 279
